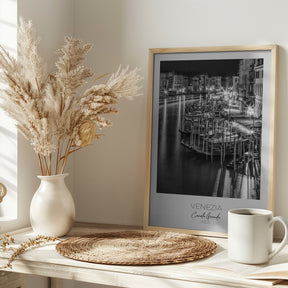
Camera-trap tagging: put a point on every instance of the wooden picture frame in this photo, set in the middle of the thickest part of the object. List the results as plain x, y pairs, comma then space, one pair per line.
210, 135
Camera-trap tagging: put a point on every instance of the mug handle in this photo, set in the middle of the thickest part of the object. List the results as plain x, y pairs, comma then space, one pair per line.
285, 238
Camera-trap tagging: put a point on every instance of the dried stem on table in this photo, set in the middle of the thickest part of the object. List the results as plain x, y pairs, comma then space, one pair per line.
8, 240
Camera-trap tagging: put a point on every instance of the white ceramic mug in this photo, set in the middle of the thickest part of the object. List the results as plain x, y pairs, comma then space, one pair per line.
250, 235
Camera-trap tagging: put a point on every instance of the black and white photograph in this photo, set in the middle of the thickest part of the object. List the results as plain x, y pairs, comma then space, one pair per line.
210, 123
211, 135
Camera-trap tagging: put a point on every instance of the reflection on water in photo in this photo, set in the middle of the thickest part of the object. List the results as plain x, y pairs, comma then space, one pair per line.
207, 161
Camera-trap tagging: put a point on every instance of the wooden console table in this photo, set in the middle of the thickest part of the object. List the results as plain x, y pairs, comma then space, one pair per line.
214, 271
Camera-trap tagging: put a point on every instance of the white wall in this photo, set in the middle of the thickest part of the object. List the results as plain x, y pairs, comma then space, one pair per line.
110, 173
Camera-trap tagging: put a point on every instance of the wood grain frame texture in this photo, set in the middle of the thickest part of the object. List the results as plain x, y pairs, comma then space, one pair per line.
273, 48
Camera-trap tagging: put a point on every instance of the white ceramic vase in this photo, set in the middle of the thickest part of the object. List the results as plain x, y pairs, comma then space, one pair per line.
52, 210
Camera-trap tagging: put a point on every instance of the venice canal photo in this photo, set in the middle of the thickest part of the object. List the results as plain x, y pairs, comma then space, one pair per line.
209, 130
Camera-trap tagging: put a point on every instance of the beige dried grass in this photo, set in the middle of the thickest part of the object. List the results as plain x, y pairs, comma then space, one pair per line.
46, 107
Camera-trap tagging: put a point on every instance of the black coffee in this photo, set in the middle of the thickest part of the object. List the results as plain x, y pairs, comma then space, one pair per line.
249, 213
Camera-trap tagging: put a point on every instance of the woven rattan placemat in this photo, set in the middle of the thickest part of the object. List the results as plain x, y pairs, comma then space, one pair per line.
137, 247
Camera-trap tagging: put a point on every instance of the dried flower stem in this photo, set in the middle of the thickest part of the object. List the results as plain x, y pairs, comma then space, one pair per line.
6, 241
50, 164
40, 164
70, 152
46, 166
66, 155
99, 77
57, 157
38, 88
24, 246
60, 153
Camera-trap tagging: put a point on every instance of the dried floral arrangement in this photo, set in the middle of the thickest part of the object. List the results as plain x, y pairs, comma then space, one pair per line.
6, 242
46, 107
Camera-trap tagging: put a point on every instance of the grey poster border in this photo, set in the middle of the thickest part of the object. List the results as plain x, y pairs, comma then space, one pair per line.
173, 210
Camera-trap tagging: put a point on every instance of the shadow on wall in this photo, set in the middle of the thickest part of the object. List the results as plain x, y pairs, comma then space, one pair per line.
8, 132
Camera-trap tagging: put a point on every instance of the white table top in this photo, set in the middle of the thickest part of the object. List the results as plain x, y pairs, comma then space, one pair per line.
214, 271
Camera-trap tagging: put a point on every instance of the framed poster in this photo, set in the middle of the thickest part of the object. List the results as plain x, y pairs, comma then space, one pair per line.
210, 135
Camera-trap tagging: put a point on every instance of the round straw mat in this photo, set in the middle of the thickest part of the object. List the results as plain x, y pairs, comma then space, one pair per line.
137, 247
